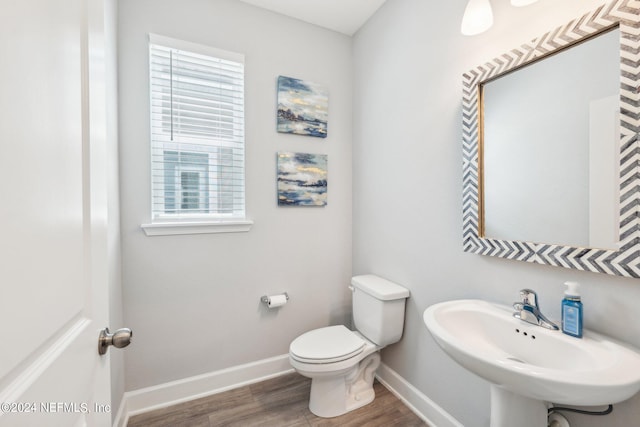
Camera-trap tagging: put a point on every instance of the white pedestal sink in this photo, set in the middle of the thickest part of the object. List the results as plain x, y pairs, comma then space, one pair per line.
528, 365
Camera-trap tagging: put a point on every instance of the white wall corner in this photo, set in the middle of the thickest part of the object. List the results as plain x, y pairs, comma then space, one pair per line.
414, 399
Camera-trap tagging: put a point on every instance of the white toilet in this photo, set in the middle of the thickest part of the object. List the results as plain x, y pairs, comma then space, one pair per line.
342, 363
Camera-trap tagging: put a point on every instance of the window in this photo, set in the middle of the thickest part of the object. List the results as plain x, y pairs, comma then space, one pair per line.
197, 134
186, 182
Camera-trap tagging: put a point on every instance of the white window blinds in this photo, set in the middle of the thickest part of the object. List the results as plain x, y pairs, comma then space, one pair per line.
197, 131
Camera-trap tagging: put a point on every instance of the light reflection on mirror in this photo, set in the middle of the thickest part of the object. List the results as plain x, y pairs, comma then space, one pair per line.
549, 147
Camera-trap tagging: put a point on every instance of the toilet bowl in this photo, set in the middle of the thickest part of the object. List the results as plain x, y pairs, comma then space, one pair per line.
342, 363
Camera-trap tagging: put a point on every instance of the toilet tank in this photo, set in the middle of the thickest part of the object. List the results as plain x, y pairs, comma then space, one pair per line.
378, 308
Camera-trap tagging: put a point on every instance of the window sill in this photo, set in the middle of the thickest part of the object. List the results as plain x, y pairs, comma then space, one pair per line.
177, 228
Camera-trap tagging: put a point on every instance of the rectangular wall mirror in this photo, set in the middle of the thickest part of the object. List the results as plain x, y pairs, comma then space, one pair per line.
550, 146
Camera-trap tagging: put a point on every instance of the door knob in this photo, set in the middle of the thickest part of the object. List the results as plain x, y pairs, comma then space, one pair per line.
119, 339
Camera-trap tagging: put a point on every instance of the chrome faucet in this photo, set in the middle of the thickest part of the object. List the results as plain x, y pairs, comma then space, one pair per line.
529, 311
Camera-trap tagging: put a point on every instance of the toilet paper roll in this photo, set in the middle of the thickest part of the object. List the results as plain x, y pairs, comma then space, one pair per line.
277, 301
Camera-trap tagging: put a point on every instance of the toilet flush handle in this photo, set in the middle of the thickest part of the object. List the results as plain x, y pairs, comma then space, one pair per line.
351, 288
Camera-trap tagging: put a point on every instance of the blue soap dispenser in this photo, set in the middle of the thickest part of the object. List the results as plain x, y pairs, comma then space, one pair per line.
572, 311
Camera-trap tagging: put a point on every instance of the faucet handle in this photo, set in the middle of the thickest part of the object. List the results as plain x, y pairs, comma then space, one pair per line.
528, 296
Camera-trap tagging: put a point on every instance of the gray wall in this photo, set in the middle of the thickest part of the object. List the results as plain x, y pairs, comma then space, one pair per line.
202, 291
194, 301
407, 203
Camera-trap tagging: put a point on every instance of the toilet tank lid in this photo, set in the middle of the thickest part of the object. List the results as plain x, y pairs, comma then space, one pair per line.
379, 288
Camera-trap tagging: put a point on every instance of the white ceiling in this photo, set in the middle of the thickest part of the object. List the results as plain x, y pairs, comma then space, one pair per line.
343, 16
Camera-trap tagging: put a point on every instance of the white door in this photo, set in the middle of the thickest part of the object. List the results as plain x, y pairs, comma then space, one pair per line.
53, 257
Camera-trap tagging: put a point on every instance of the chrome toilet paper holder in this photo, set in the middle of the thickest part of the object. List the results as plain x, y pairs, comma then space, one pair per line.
267, 298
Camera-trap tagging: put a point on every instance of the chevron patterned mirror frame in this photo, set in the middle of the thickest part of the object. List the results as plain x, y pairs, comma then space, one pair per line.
622, 262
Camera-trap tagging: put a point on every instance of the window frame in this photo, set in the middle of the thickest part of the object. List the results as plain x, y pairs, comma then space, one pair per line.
192, 223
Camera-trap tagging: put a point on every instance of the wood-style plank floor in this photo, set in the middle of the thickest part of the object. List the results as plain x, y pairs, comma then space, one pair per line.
279, 402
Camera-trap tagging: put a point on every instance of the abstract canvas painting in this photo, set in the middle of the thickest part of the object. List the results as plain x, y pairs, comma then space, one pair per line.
302, 179
303, 107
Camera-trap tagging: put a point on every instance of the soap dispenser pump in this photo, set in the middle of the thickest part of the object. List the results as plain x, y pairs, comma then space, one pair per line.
572, 311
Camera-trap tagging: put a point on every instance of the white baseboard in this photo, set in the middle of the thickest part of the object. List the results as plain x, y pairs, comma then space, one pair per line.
420, 404
122, 417
167, 394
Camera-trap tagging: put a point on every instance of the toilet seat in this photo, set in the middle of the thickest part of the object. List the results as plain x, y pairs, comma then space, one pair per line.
326, 345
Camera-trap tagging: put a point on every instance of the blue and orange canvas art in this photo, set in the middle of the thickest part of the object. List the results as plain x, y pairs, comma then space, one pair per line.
302, 179
303, 107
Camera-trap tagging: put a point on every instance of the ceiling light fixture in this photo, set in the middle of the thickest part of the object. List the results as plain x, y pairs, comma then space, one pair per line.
519, 3
478, 16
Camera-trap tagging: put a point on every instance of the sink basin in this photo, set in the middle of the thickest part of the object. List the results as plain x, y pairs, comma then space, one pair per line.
529, 364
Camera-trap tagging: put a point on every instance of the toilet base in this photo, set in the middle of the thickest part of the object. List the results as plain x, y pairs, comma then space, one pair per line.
334, 396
